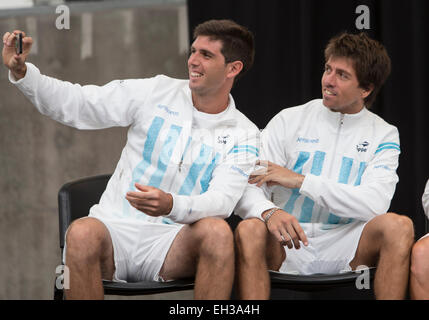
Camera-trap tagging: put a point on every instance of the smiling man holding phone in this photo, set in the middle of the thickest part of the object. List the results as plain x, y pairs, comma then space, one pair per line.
183, 169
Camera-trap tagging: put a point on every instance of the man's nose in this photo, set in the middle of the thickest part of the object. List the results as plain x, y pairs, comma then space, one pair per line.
329, 79
193, 60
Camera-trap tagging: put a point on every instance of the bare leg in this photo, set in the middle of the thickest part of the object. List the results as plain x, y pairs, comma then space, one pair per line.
419, 278
256, 252
89, 257
386, 242
204, 249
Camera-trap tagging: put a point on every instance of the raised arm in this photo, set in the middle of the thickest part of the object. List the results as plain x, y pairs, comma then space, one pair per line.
82, 107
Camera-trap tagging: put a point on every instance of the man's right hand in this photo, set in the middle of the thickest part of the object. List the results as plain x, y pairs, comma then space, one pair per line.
286, 228
14, 62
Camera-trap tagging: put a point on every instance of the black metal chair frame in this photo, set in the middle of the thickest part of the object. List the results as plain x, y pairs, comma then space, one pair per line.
74, 201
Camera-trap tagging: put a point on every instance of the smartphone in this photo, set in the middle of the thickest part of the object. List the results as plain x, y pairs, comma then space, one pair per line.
19, 44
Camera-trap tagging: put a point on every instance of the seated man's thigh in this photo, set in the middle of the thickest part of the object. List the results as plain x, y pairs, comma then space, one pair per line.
206, 236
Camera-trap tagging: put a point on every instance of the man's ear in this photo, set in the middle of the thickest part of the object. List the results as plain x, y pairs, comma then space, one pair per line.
234, 68
367, 91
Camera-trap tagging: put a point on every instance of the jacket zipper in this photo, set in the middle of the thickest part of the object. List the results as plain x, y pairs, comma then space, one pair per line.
185, 150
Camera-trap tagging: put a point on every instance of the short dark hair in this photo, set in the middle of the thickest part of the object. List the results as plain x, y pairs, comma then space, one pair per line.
237, 41
370, 60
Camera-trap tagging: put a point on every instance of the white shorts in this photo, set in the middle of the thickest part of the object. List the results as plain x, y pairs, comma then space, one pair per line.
330, 252
139, 248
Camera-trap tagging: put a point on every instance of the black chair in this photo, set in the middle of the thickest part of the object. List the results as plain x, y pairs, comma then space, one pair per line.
317, 286
426, 225
321, 286
74, 201
76, 198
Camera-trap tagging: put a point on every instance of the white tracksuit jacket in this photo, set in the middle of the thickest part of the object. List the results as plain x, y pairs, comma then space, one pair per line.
349, 162
203, 160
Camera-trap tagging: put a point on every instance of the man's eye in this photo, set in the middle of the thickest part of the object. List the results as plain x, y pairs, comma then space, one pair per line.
343, 75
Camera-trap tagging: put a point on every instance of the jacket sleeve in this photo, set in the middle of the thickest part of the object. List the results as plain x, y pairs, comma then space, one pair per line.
425, 199
361, 201
256, 200
229, 179
82, 107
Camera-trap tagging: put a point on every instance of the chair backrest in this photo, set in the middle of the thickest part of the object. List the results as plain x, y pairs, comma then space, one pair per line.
76, 198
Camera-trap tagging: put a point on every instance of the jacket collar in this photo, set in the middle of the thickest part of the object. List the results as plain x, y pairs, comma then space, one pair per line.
228, 116
349, 121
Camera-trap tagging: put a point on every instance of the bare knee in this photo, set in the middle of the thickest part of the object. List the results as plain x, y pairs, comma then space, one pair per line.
251, 233
85, 239
251, 240
398, 230
420, 259
215, 237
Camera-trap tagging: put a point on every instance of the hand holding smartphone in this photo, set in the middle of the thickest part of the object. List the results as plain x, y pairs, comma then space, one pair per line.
19, 44
14, 54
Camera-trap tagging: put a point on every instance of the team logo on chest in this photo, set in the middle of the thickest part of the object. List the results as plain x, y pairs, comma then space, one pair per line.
223, 139
362, 147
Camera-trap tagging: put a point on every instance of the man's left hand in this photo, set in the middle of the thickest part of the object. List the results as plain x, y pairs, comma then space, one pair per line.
277, 175
150, 200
